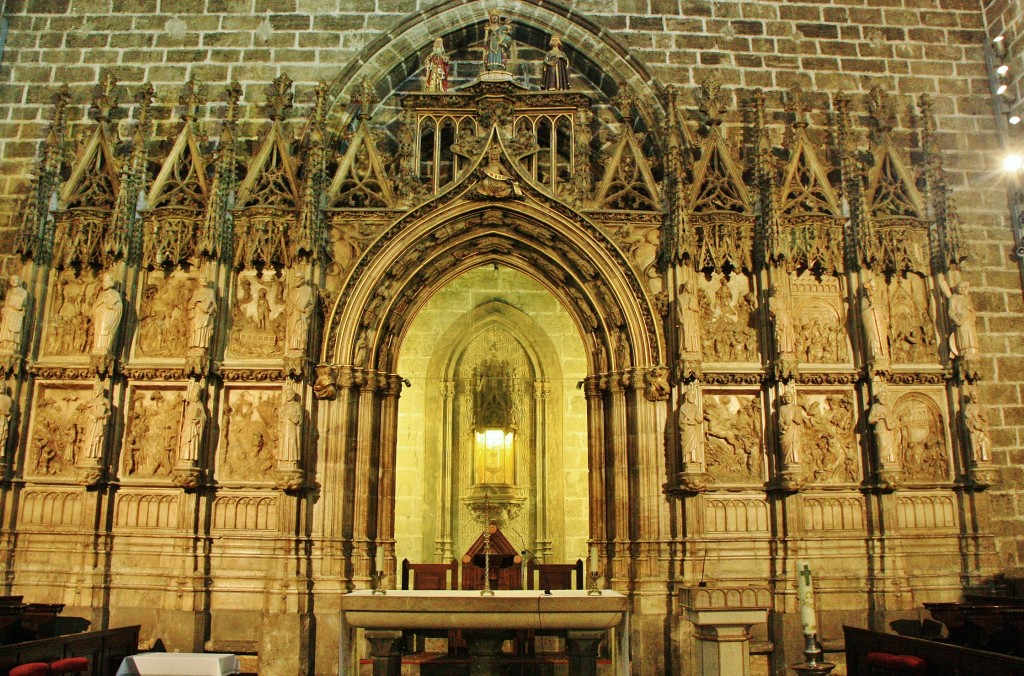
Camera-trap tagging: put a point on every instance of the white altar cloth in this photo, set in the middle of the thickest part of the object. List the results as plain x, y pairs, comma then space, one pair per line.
179, 664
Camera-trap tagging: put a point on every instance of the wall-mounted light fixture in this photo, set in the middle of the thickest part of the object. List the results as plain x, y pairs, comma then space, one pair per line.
1010, 129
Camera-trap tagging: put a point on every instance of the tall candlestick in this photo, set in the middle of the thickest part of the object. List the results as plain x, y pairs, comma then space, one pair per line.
378, 559
593, 558
805, 596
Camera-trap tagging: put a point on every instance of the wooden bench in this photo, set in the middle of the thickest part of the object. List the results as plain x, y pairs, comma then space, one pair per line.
869, 653
105, 650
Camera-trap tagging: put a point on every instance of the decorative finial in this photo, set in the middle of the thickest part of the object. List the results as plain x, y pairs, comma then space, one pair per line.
191, 98
797, 106
366, 98
279, 96
625, 102
709, 100
882, 108
104, 98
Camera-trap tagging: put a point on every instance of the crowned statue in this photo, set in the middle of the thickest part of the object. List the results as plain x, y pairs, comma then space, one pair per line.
497, 43
556, 66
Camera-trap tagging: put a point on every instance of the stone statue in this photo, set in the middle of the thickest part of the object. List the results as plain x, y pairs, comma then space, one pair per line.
688, 314
964, 341
12, 319
323, 386
876, 325
556, 66
106, 316
656, 387
691, 430
361, 351
497, 42
291, 431
497, 183
791, 417
300, 307
622, 355
201, 308
97, 414
785, 339
885, 428
976, 426
436, 68
193, 427
6, 411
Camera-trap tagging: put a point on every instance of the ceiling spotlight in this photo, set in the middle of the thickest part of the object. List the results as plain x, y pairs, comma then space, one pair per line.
1013, 162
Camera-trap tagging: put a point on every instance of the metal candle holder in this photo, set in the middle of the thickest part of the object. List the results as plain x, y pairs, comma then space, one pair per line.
814, 663
377, 582
592, 588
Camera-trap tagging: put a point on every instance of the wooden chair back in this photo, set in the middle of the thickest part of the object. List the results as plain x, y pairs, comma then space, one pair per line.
554, 575
430, 575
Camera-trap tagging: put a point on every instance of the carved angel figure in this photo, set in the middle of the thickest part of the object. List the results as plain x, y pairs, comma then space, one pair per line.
784, 335
6, 410
964, 341
688, 314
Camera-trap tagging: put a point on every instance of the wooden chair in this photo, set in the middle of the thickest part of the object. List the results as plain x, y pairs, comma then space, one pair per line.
431, 576
554, 575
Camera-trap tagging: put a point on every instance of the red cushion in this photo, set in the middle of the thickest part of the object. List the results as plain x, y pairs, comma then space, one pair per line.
30, 669
69, 665
911, 663
882, 660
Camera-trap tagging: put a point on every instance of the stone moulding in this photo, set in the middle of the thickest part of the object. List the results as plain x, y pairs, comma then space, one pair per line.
725, 597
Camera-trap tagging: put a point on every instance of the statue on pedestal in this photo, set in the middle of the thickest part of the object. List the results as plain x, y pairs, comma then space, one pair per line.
97, 414
884, 424
192, 429
876, 327
976, 426
436, 69
497, 42
556, 67
106, 317
201, 308
12, 318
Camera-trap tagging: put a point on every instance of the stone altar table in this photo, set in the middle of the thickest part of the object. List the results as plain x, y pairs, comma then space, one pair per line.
485, 620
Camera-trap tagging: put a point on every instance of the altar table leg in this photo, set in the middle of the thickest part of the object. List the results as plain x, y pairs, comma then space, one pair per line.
385, 651
582, 649
485, 654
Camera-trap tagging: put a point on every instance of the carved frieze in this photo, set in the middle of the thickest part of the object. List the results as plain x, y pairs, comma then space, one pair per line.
163, 329
54, 509
64, 430
153, 432
911, 328
250, 434
258, 316
831, 452
921, 438
728, 311
733, 434
145, 511
819, 315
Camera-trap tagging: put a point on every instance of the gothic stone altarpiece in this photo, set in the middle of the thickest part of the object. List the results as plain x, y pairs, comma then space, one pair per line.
781, 350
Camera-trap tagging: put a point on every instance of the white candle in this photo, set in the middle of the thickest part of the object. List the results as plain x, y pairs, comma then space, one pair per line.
805, 597
378, 560
593, 558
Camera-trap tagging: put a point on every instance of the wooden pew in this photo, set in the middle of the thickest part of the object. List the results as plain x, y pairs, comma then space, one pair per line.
105, 649
993, 624
941, 659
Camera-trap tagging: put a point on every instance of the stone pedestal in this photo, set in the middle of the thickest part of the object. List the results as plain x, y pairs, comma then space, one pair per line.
484, 652
385, 651
723, 637
582, 649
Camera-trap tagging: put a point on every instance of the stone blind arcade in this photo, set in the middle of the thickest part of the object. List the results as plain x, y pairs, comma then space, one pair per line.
775, 286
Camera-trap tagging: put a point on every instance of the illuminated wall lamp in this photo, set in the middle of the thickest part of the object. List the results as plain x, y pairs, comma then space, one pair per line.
999, 45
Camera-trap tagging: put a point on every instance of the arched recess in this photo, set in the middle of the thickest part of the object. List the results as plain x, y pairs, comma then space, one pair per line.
464, 228
389, 60
437, 452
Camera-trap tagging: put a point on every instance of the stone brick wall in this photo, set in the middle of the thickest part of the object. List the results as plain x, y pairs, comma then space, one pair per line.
909, 47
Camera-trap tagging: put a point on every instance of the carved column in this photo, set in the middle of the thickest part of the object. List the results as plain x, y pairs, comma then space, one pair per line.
386, 484
385, 651
596, 442
542, 398
619, 441
443, 543
367, 416
650, 423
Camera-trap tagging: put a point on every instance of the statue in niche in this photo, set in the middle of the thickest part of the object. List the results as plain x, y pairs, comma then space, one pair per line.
251, 432
830, 438
6, 411
732, 436
12, 318
153, 433
791, 417
875, 320
497, 42
289, 454
193, 427
976, 425
67, 333
106, 316
964, 341
688, 314
556, 66
258, 317
785, 338
623, 358
436, 68
361, 351
885, 425
691, 430
301, 302
96, 414
921, 439
201, 308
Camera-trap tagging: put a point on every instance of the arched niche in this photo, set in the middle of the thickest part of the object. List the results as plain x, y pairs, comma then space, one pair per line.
491, 312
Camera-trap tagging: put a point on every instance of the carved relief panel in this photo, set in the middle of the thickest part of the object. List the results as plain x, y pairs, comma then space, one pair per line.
258, 316
733, 448
828, 439
68, 328
163, 328
819, 315
249, 435
146, 511
60, 429
54, 509
152, 434
912, 335
728, 318
921, 440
